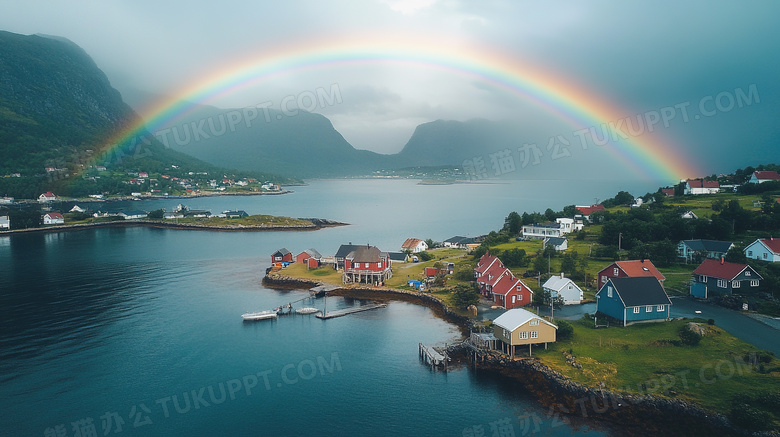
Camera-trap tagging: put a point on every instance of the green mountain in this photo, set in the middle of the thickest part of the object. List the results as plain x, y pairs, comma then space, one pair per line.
58, 113
300, 145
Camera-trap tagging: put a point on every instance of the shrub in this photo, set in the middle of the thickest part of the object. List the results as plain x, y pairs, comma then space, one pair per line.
688, 337
710, 321
565, 330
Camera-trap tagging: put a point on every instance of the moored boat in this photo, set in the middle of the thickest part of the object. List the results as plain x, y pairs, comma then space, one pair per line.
260, 315
307, 310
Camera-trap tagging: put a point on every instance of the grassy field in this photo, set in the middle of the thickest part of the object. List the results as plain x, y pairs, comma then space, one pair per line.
646, 358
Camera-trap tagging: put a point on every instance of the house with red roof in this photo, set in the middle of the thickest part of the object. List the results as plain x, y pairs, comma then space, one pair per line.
47, 197
765, 249
484, 263
721, 277
487, 280
586, 211
759, 177
669, 192
53, 218
510, 292
700, 186
415, 245
629, 269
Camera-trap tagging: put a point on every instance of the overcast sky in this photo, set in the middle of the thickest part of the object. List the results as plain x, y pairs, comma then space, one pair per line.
641, 56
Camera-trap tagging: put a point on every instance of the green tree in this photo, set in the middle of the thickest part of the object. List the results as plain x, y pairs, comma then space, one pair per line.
541, 264
514, 258
156, 214
513, 223
464, 295
565, 330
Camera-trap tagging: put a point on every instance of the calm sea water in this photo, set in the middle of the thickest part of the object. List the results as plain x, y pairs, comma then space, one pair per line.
138, 331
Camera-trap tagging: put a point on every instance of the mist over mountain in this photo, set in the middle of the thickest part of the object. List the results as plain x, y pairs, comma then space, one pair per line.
58, 116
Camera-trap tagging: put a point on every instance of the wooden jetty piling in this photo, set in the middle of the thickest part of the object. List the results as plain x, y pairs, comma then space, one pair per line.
434, 357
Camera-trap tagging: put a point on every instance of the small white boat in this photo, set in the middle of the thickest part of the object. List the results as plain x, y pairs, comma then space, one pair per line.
260, 315
307, 310
697, 312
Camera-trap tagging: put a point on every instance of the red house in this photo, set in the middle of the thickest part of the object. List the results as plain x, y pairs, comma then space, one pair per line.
629, 269
431, 272
306, 254
282, 255
487, 280
367, 264
485, 262
510, 292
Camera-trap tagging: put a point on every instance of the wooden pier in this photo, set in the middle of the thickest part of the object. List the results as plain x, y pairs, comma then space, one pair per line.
432, 356
321, 290
352, 310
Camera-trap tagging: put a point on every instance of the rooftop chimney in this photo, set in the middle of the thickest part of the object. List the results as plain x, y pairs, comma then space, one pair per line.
561, 275
722, 260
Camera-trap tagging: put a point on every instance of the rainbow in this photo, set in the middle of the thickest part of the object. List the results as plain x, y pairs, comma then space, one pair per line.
644, 152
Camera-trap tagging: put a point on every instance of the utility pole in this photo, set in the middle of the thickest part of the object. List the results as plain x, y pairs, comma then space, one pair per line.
620, 241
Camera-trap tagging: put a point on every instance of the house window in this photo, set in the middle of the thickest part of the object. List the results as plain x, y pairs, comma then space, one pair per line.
534, 323
754, 283
513, 299
703, 278
734, 284
534, 334
615, 271
747, 273
660, 308
523, 335
519, 298
609, 291
721, 283
764, 255
636, 310
504, 333
379, 264
750, 253
649, 309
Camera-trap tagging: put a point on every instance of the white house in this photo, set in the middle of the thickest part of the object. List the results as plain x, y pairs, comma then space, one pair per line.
53, 218
700, 186
77, 208
760, 177
689, 215
558, 243
47, 197
415, 245
570, 292
569, 224
765, 249
133, 215
5, 222
6, 200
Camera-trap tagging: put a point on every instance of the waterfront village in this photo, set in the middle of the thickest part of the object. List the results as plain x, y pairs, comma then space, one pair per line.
507, 285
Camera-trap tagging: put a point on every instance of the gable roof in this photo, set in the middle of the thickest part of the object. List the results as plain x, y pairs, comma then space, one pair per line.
345, 249
481, 269
283, 251
771, 244
47, 194
312, 253
517, 317
639, 291
555, 241
507, 283
366, 254
722, 269
397, 256
492, 274
588, 210
668, 191
699, 183
639, 268
411, 243
708, 245
557, 283
767, 175
54, 215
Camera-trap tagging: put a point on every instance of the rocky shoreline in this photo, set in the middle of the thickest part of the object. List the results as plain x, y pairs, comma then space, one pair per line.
315, 225
566, 399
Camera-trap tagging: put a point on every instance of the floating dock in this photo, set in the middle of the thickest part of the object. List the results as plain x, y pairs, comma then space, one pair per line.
352, 310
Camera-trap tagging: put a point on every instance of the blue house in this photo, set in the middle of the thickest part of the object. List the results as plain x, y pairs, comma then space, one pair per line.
633, 299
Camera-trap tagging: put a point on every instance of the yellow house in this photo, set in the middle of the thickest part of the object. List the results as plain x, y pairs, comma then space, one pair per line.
518, 327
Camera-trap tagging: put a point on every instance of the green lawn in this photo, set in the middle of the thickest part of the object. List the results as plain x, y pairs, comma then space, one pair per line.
644, 357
